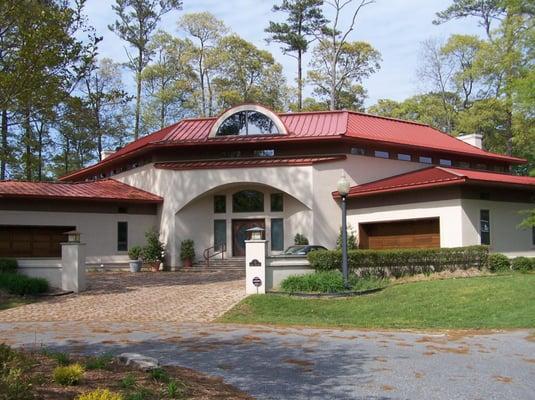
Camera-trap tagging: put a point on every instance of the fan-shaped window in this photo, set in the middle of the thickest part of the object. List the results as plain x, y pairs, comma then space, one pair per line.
247, 123
248, 201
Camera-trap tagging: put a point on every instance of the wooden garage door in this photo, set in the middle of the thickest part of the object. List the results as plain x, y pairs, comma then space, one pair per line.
32, 241
411, 234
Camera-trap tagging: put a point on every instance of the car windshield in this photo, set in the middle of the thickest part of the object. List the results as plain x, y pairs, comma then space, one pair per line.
294, 249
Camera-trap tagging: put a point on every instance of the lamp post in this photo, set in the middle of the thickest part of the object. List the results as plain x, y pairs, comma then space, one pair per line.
343, 187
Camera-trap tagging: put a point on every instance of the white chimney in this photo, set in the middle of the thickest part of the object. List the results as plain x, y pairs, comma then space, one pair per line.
475, 139
107, 153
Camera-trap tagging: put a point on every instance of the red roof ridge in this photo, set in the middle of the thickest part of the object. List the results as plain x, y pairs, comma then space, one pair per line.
406, 121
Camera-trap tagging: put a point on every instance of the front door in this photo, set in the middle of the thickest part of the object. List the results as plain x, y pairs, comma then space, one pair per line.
239, 233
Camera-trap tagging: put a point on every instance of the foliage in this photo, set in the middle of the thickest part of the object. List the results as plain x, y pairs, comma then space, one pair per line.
8, 265
100, 394
154, 251
491, 302
61, 358
14, 384
187, 250
134, 253
402, 262
304, 19
159, 374
523, 264
98, 362
69, 375
498, 262
129, 381
300, 239
176, 389
352, 243
328, 282
22, 285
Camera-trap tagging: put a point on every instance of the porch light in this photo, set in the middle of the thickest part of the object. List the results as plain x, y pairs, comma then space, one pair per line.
256, 233
343, 187
73, 236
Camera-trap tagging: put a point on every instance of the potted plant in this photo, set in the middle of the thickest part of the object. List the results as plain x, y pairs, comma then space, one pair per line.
187, 252
154, 251
135, 258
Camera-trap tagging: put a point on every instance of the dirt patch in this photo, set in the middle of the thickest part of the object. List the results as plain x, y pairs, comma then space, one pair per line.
531, 337
503, 379
388, 388
251, 338
529, 360
305, 365
193, 385
418, 375
468, 273
454, 350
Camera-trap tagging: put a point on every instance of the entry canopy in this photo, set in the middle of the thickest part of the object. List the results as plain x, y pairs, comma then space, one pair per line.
248, 120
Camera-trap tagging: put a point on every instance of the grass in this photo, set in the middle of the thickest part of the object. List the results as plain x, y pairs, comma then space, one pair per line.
490, 302
12, 302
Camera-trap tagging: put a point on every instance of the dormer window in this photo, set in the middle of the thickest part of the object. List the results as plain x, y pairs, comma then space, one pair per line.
247, 120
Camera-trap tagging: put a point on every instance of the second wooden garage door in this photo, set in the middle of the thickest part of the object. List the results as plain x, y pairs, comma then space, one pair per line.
32, 241
410, 234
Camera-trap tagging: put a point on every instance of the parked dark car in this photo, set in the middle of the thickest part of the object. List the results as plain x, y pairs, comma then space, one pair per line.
302, 250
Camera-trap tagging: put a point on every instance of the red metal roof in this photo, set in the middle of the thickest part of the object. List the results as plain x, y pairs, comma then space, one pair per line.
247, 163
438, 176
311, 126
103, 190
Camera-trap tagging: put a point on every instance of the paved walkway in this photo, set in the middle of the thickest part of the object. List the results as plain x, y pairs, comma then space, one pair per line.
140, 297
277, 363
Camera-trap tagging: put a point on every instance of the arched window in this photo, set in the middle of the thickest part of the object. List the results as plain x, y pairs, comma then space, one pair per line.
247, 123
248, 201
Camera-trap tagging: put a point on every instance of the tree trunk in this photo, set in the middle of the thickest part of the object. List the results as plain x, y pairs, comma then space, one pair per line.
5, 151
201, 79
210, 97
27, 142
299, 80
333, 86
138, 94
40, 154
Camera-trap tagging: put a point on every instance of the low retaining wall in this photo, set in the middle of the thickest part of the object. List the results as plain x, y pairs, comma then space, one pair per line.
49, 268
279, 268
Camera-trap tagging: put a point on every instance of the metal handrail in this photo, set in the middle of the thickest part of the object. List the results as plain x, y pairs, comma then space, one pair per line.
207, 255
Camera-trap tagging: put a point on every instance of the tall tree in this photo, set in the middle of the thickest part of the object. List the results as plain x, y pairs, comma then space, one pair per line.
333, 39
343, 89
168, 81
106, 99
137, 20
305, 18
206, 30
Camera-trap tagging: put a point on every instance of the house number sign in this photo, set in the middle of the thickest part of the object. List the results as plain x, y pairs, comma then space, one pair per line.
257, 281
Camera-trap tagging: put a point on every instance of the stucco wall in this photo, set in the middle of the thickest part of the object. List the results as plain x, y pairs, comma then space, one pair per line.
48, 268
99, 230
505, 235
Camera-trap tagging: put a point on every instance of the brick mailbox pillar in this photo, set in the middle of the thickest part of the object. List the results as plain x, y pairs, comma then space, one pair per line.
255, 266
73, 262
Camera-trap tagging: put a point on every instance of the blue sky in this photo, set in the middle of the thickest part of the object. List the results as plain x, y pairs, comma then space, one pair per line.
394, 27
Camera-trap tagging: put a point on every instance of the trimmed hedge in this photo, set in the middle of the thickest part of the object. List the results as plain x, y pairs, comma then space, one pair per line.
8, 265
22, 285
328, 282
403, 262
523, 264
499, 262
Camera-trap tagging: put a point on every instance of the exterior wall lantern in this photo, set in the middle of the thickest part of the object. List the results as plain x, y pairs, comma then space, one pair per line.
256, 233
73, 236
343, 187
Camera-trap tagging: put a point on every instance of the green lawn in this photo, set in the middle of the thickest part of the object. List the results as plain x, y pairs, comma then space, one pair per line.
501, 301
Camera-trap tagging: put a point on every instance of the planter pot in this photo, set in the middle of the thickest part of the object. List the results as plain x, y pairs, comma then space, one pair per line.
187, 263
135, 265
154, 266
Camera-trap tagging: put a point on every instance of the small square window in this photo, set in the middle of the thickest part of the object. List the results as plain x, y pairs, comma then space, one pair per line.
404, 157
277, 202
426, 160
220, 204
444, 162
358, 151
381, 154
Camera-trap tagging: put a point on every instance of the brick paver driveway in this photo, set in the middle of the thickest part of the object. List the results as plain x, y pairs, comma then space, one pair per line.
141, 297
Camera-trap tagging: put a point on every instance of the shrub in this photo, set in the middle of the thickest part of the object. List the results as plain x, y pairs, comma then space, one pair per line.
22, 285
61, 358
159, 374
498, 262
403, 262
99, 362
328, 282
154, 251
100, 394
300, 239
135, 252
8, 265
14, 383
523, 264
176, 389
68, 375
351, 239
128, 381
187, 250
